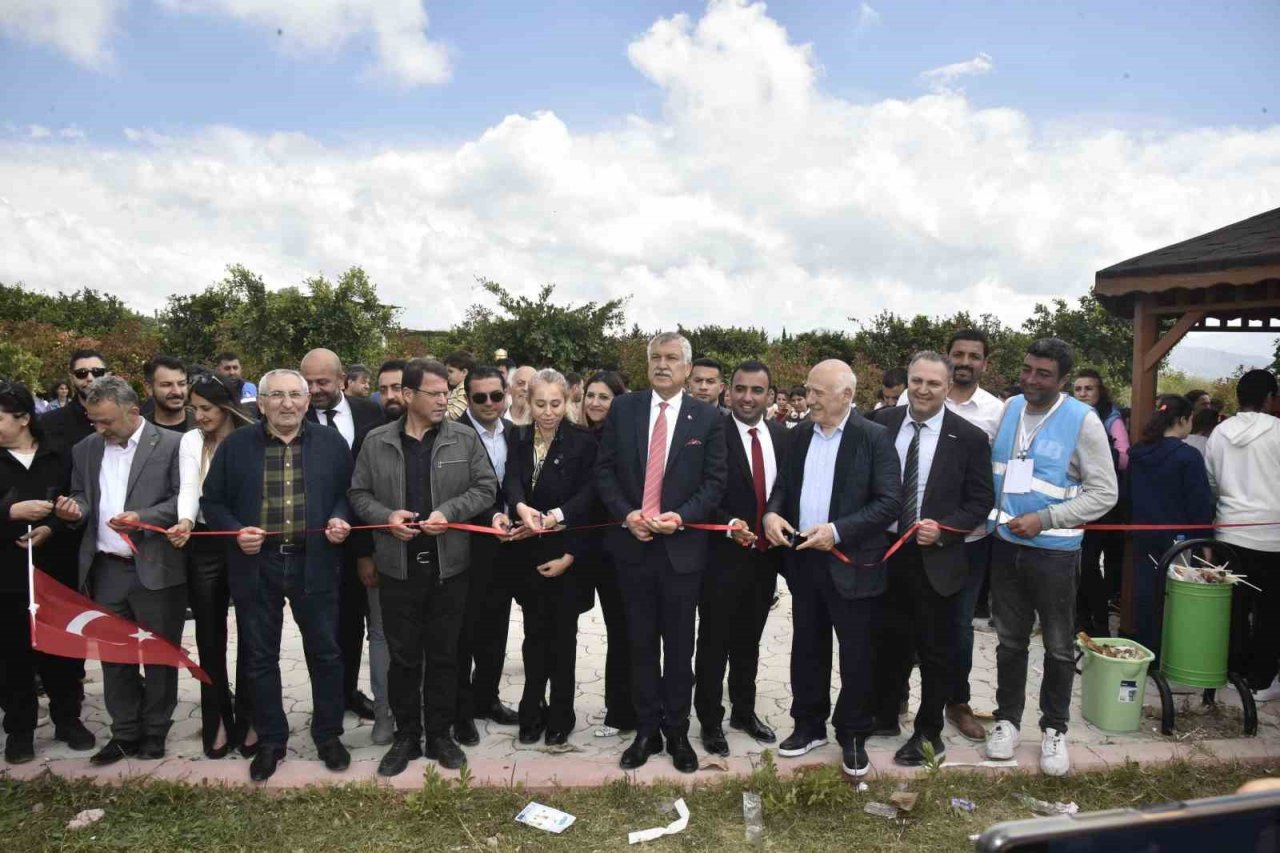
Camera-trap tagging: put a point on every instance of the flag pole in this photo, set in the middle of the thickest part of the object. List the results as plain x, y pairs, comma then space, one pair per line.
31, 587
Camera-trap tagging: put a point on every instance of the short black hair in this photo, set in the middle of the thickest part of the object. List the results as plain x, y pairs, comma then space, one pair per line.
461, 360
573, 378
1194, 395
416, 368
355, 371
894, 376
393, 364
16, 399
970, 335
225, 356
81, 354
754, 365
798, 391
1056, 349
708, 362
483, 371
168, 362
509, 363
1253, 388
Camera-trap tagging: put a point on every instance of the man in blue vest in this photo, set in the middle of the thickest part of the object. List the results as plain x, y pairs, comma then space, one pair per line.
1052, 470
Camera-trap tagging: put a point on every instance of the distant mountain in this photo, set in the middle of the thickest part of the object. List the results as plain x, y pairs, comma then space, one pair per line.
1210, 363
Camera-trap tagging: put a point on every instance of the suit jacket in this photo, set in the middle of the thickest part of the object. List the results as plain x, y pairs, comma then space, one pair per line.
366, 415
865, 499
691, 485
959, 494
152, 494
232, 499
567, 481
485, 518
739, 500
68, 426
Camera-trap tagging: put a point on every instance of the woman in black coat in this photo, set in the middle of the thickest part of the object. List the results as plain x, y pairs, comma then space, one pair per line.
33, 474
550, 481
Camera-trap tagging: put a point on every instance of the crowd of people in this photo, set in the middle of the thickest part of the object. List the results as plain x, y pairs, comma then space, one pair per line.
356, 496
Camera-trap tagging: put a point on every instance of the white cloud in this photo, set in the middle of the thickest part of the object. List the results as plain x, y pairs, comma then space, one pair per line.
945, 78
37, 131
78, 28
867, 17
71, 132
756, 199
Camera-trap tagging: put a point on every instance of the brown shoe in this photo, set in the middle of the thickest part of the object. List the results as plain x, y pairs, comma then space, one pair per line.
961, 716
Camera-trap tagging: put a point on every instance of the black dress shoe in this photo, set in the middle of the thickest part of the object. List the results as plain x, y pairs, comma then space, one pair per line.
75, 735
446, 752
249, 750
683, 758
639, 751
113, 752
500, 714
911, 753
466, 733
405, 749
799, 742
557, 738
334, 755
753, 726
264, 763
713, 740
360, 705
19, 749
887, 729
531, 733
853, 760
151, 748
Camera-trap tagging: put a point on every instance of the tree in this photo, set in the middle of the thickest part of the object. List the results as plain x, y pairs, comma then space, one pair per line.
727, 344
85, 312
1100, 340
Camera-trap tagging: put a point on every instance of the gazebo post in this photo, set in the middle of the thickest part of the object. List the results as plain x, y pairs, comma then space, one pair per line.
1143, 395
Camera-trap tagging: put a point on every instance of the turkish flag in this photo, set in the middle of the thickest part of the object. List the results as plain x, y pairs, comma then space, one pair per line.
67, 624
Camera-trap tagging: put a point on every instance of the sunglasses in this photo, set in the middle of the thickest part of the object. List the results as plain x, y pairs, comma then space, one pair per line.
480, 397
86, 372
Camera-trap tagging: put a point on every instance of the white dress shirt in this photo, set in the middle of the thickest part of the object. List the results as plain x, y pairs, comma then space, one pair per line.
113, 488
983, 410
929, 436
770, 458
343, 420
819, 478
672, 414
190, 455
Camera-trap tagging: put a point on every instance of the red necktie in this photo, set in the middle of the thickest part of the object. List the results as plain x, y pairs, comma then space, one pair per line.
651, 507
757, 480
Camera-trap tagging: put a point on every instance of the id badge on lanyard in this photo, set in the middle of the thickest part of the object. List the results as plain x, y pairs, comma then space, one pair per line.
1021, 469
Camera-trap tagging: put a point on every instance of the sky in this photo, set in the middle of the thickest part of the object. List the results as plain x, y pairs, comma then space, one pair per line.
783, 165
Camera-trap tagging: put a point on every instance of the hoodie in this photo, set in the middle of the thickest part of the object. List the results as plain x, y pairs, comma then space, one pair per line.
1168, 485
1243, 459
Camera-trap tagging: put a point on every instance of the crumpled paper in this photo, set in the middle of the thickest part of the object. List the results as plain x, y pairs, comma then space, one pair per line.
677, 825
88, 817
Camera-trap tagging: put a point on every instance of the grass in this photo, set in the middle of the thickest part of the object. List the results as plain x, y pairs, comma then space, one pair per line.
817, 810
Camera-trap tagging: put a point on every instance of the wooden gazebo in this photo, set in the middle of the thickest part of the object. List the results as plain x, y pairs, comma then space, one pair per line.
1224, 281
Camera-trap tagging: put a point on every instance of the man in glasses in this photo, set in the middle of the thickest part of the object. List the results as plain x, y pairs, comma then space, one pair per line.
483, 641
68, 425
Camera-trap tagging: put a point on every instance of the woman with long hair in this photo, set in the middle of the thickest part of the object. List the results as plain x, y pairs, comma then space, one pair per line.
217, 413
1168, 484
33, 474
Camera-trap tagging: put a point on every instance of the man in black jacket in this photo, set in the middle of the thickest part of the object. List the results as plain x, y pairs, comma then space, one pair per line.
839, 489
65, 427
946, 488
741, 575
661, 465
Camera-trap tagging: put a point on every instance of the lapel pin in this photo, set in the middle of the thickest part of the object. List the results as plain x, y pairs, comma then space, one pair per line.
689, 417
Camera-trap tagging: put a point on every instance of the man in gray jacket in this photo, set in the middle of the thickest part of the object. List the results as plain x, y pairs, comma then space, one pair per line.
127, 472
419, 474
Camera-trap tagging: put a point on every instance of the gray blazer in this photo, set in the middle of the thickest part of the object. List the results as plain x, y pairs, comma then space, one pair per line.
152, 494
462, 486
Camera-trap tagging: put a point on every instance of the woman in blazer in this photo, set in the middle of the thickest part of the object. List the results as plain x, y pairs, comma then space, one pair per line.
549, 482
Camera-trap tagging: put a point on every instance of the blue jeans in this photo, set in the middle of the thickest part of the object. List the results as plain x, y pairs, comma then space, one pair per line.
260, 618
979, 556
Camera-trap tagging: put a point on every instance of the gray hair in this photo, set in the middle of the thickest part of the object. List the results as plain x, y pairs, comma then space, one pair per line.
939, 358
111, 389
280, 371
549, 376
686, 349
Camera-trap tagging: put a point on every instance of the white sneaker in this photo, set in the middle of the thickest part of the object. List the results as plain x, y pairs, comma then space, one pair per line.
1002, 741
1268, 693
1054, 760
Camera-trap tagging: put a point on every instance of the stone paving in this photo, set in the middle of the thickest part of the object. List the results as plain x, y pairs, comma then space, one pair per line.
500, 759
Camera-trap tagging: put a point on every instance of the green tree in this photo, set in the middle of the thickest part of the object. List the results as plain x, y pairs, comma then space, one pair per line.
85, 312
1100, 340
727, 344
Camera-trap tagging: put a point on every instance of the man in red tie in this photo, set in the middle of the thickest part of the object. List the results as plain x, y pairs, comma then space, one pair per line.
739, 581
661, 466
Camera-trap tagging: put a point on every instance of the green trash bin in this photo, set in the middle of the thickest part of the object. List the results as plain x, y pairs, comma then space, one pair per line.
1111, 690
1197, 632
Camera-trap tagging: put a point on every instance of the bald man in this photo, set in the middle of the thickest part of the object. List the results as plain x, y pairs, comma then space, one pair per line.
519, 413
840, 487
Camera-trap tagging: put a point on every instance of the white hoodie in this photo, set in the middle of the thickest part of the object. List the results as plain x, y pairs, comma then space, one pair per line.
1243, 459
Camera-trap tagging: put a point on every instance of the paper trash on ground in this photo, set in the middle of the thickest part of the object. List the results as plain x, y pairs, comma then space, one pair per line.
544, 817
88, 817
672, 828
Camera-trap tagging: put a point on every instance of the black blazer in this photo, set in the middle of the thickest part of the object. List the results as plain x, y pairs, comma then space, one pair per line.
739, 499
500, 501
959, 493
67, 426
366, 415
567, 481
45, 480
865, 499
691, 486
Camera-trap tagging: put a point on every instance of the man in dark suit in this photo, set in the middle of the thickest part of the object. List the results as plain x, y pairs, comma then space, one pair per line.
661, 465
279, 484
839, 487
128, 472
739, 582
353, 417
946, 483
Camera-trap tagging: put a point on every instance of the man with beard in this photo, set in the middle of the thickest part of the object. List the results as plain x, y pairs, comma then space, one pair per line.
390, 392
66, 426
165, 378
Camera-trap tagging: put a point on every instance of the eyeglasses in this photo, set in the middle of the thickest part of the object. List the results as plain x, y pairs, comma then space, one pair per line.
493, 397
86, 372
279, 396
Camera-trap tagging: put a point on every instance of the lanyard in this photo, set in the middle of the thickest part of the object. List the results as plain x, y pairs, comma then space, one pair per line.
1025, 440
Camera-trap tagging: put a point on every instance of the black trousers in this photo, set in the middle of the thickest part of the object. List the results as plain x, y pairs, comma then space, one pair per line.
617, 661
915, 618
353, 613
550, 648
1256, 636
817, 608
421, 619
1100, 551
210, 599
482, 642
19, 664
660, 604
737, 589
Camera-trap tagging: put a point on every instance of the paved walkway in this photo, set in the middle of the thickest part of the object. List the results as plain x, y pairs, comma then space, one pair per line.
500, 759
